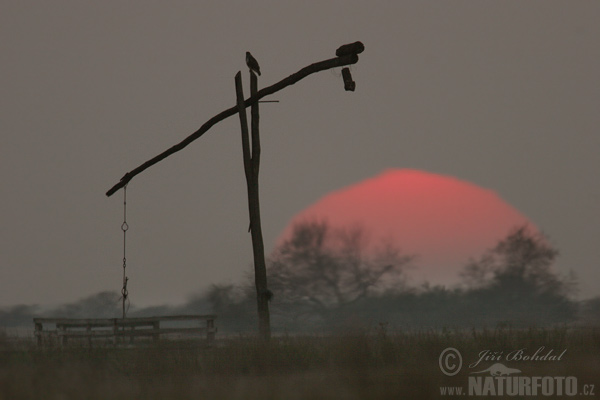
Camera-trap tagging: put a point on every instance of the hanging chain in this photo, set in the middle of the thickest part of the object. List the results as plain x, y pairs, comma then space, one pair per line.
124, 228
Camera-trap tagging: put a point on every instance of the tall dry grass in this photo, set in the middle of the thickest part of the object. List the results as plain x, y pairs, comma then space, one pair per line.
354, 365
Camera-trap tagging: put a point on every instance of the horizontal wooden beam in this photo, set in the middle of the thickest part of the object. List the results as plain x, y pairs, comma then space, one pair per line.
82, 322
90, 328
290, 80
128, 332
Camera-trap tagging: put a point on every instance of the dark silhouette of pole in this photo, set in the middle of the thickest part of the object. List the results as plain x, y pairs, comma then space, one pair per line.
346, 55
346, 59
251, 154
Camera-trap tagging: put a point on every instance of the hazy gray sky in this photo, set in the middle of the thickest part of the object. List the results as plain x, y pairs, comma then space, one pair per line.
502, 94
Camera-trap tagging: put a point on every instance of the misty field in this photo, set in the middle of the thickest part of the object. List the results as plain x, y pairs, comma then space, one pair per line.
356, 365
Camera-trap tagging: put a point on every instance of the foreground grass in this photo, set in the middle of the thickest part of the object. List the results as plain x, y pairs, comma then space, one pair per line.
363, 365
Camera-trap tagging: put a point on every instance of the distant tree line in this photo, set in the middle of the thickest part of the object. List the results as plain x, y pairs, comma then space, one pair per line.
325, 279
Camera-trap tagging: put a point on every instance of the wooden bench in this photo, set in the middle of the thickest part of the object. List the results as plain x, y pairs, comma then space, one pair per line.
118, 329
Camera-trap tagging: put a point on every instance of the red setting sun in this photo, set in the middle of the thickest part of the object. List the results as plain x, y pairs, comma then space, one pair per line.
442, 220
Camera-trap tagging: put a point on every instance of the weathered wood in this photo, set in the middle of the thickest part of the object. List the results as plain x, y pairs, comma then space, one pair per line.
258, 248
349, 49
211, 330
129, 332
247, 157
115, 328
67, 328
156, 326
290, 80
38, 332
251, 168
120, 321
88, 330
61, 333
129, 320
254, 124
349, 84
347, 55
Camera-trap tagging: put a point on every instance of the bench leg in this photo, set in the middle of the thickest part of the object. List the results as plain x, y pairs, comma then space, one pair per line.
210, 330
156, 335
38, 334
64, 338
89, 332
131, 336
115, 331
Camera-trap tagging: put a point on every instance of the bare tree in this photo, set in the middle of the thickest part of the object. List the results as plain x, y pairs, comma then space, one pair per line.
319, 270
515, 282
523, 257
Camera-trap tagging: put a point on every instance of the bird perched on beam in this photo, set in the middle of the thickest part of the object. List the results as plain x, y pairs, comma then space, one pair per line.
252, 63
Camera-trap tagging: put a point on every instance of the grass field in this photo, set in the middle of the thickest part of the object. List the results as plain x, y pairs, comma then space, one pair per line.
355, 365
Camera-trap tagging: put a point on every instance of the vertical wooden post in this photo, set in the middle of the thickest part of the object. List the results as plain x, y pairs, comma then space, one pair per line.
115, 332
63, 330
88, 329
156, 326
251, 168
260, 268
210, 330
38, 332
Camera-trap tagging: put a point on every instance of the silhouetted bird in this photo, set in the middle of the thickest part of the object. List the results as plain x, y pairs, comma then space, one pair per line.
252, 63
